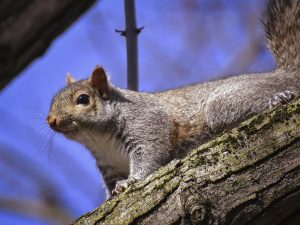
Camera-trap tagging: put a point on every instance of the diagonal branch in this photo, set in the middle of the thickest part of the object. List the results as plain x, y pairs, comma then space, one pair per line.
27, 29
250, 175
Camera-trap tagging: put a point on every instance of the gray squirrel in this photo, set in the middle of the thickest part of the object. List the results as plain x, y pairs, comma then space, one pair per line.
131, 134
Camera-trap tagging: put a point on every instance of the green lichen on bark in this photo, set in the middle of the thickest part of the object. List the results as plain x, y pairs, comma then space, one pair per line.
152, 190
250, 143
243, 145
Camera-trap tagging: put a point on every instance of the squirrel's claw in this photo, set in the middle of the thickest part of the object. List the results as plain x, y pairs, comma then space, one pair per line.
122, 185
281, 98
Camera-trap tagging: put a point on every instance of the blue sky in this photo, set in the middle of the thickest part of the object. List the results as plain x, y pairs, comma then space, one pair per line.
183, 42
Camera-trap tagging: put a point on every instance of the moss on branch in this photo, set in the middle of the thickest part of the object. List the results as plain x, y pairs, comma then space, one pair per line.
235, 162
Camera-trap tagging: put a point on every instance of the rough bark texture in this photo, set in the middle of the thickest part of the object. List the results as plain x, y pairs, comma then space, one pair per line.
28, 27
250, 175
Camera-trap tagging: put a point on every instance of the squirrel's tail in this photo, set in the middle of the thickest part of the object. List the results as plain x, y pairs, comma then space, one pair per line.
282, 27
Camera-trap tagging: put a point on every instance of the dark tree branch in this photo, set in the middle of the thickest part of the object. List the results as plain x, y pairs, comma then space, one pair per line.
36, 208
132, 45
250, 175
131, 34
27, 28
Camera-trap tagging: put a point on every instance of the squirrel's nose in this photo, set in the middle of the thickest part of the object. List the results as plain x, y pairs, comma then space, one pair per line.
53, 122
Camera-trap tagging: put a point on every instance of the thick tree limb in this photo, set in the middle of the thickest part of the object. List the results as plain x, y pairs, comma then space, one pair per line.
27, 28
250, 175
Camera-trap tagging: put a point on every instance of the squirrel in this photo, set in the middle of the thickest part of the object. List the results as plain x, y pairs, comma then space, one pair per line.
132, 134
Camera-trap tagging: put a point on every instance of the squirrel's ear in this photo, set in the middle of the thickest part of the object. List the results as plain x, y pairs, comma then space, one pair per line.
99, 80
70, 79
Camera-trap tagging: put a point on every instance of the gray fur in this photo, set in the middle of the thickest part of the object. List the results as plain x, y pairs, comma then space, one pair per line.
282, 28
146, 131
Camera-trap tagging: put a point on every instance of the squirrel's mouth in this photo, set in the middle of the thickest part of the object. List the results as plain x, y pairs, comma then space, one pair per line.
66, 130
62, 126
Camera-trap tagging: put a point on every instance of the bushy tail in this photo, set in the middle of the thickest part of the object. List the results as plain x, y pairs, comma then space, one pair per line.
282, 27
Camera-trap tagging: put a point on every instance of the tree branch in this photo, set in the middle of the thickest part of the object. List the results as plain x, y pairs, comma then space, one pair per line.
132, 45
131, 34
250, 175
35, 208
27, 28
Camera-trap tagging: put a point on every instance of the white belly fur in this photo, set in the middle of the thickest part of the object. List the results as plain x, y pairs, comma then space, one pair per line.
107, 149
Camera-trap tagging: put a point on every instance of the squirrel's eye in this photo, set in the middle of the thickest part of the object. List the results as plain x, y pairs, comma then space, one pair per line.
83, 99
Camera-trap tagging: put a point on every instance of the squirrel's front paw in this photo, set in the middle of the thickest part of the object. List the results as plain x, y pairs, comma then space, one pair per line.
281, 98
122, 185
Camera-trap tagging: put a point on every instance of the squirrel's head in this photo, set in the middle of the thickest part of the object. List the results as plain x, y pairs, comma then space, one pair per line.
81, 104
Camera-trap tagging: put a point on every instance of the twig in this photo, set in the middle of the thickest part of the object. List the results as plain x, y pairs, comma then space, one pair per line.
131, 34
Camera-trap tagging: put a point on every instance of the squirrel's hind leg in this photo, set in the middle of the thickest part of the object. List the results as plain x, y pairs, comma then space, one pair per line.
281, 98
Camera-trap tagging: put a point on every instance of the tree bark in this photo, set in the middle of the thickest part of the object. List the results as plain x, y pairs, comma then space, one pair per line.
27, 28
250, 175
